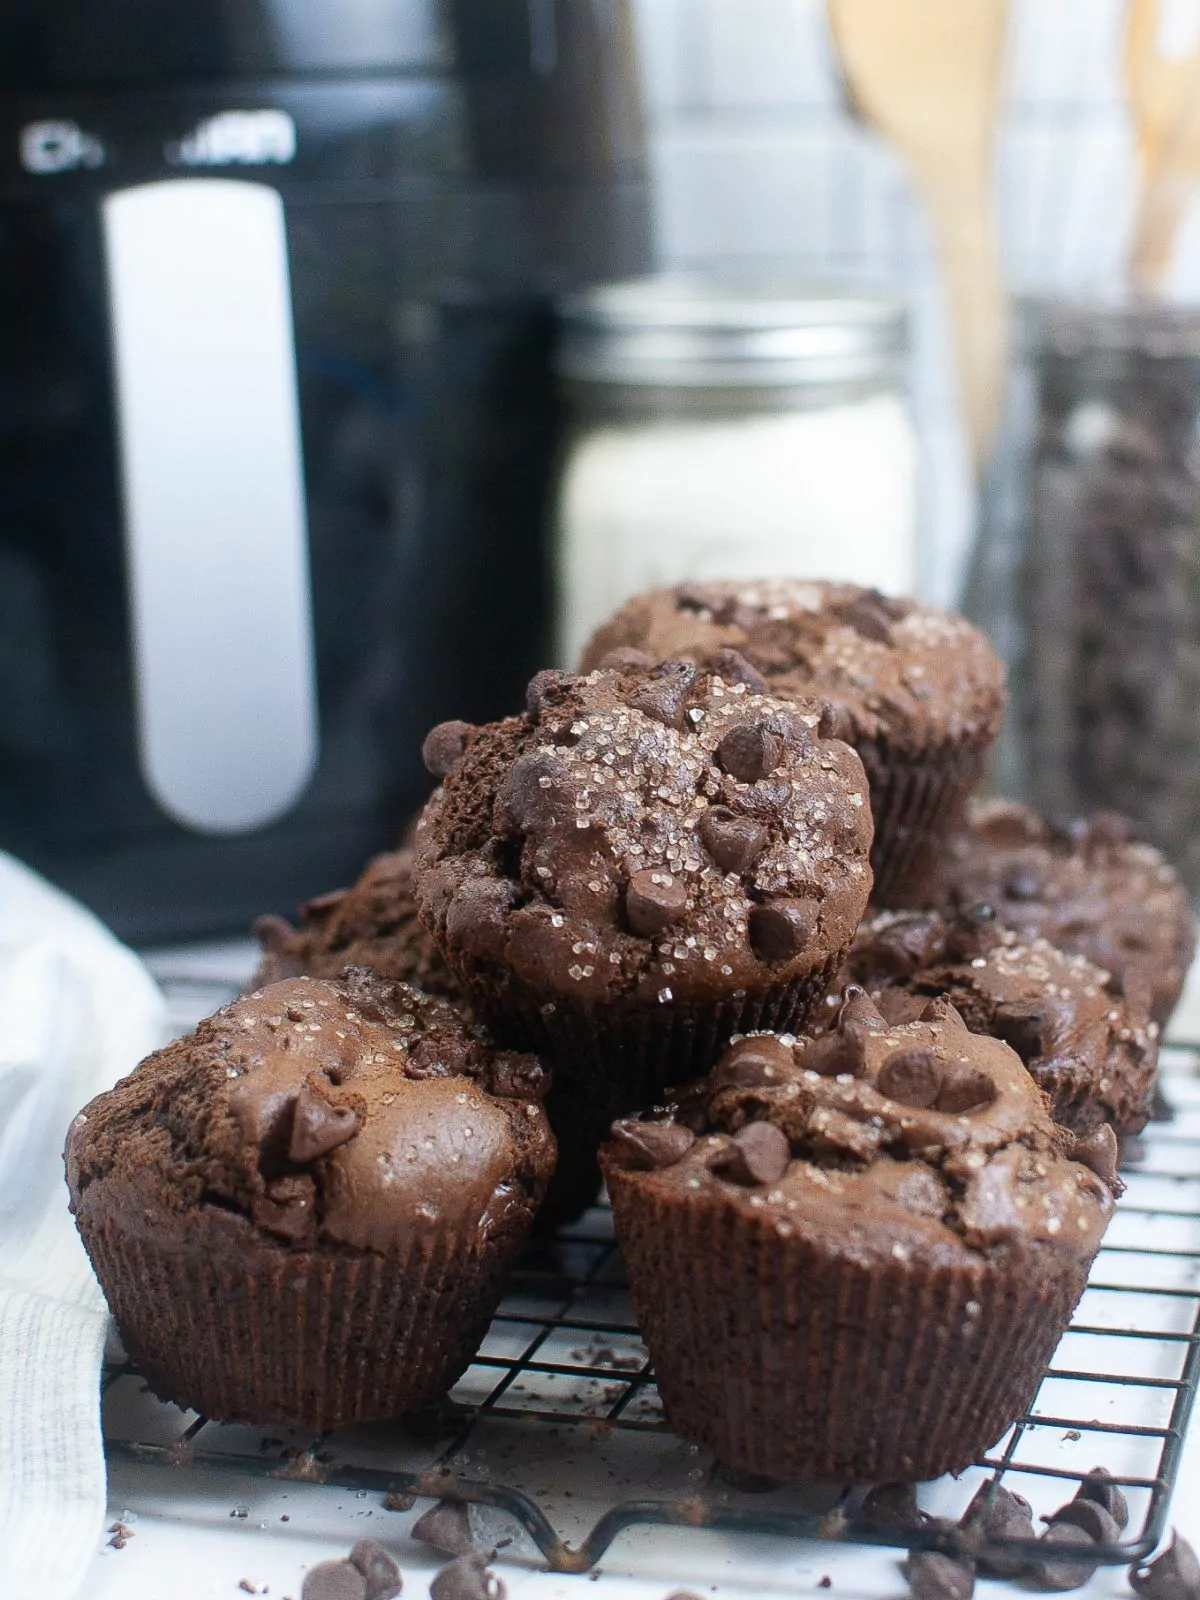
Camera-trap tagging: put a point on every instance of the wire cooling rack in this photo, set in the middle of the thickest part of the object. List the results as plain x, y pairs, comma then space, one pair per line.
556, 1438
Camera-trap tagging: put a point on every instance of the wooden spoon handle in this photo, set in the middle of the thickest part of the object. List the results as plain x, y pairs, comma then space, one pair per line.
970, 259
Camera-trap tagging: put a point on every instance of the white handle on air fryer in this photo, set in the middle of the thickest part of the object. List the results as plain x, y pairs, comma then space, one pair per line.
216, 537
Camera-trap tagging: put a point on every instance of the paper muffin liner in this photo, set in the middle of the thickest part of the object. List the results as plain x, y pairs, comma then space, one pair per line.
914, 801
789, 1359
618, 1057
243, 1330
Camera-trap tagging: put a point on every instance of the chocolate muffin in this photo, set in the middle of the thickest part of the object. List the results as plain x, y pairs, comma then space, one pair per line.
373, 924
1092, 1049
641, 865
305, 1212
852, 1257
919, 692
1087, 886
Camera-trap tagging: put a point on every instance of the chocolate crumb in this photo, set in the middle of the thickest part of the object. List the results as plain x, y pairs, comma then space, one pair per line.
1095, 1521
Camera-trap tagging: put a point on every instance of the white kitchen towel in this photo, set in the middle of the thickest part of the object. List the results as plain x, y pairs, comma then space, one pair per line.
77, 1011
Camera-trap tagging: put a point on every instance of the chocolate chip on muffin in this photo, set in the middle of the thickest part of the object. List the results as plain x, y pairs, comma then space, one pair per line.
304, 1213
854, 1276
1086, 886
643, 863
919, 692
1093, 1052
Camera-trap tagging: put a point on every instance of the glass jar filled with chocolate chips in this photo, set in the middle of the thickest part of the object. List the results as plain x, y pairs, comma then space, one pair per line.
1107, 580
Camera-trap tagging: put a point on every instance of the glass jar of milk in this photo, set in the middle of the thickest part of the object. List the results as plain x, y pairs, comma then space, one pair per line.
727, 430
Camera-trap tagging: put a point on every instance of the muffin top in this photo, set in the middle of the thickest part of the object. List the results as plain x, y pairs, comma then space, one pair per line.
357, 1113
1093, 1050
657, 834
895, 668
1087, 886
373, 924
915, 1141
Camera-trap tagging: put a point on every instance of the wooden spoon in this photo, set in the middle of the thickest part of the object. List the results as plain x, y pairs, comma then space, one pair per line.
926, 74
1162, 79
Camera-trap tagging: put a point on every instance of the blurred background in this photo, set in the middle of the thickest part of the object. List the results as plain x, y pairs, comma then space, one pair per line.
358, 358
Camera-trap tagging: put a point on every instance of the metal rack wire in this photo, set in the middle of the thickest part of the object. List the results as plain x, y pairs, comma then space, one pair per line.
563, 1376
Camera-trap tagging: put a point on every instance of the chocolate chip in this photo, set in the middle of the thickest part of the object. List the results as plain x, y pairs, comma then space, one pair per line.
749, 751
318, 1127
759, 1154
732, 667
288, 1209
381, 1573
1065, 1574
752, 1062
858, 1012
1095, 1521
998, 1513
735, 843
544, 692
1174, 1575
867, 616
444, 746
536, 791
652, 1145
933, 1576
1098, 1151
1098, 1485
835, 1053
446, 1527
893, 1505
467, 1577
334, 1580
624, 655
965, 1088
912, 1077
664, 697
835, 723
781, 929
654, 899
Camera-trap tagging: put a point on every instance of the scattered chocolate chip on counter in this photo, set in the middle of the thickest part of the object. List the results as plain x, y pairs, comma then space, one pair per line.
892, 1505
1098, 1485
998, 1513
334, 1580
379, 1571
446, 1527
1174, 1575
467, 1577
933, 1576
1063, 1574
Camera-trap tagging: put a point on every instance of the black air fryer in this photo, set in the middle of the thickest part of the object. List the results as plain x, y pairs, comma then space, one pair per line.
276, 421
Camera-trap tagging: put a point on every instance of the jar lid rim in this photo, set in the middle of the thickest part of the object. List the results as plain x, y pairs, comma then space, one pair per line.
684, 328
